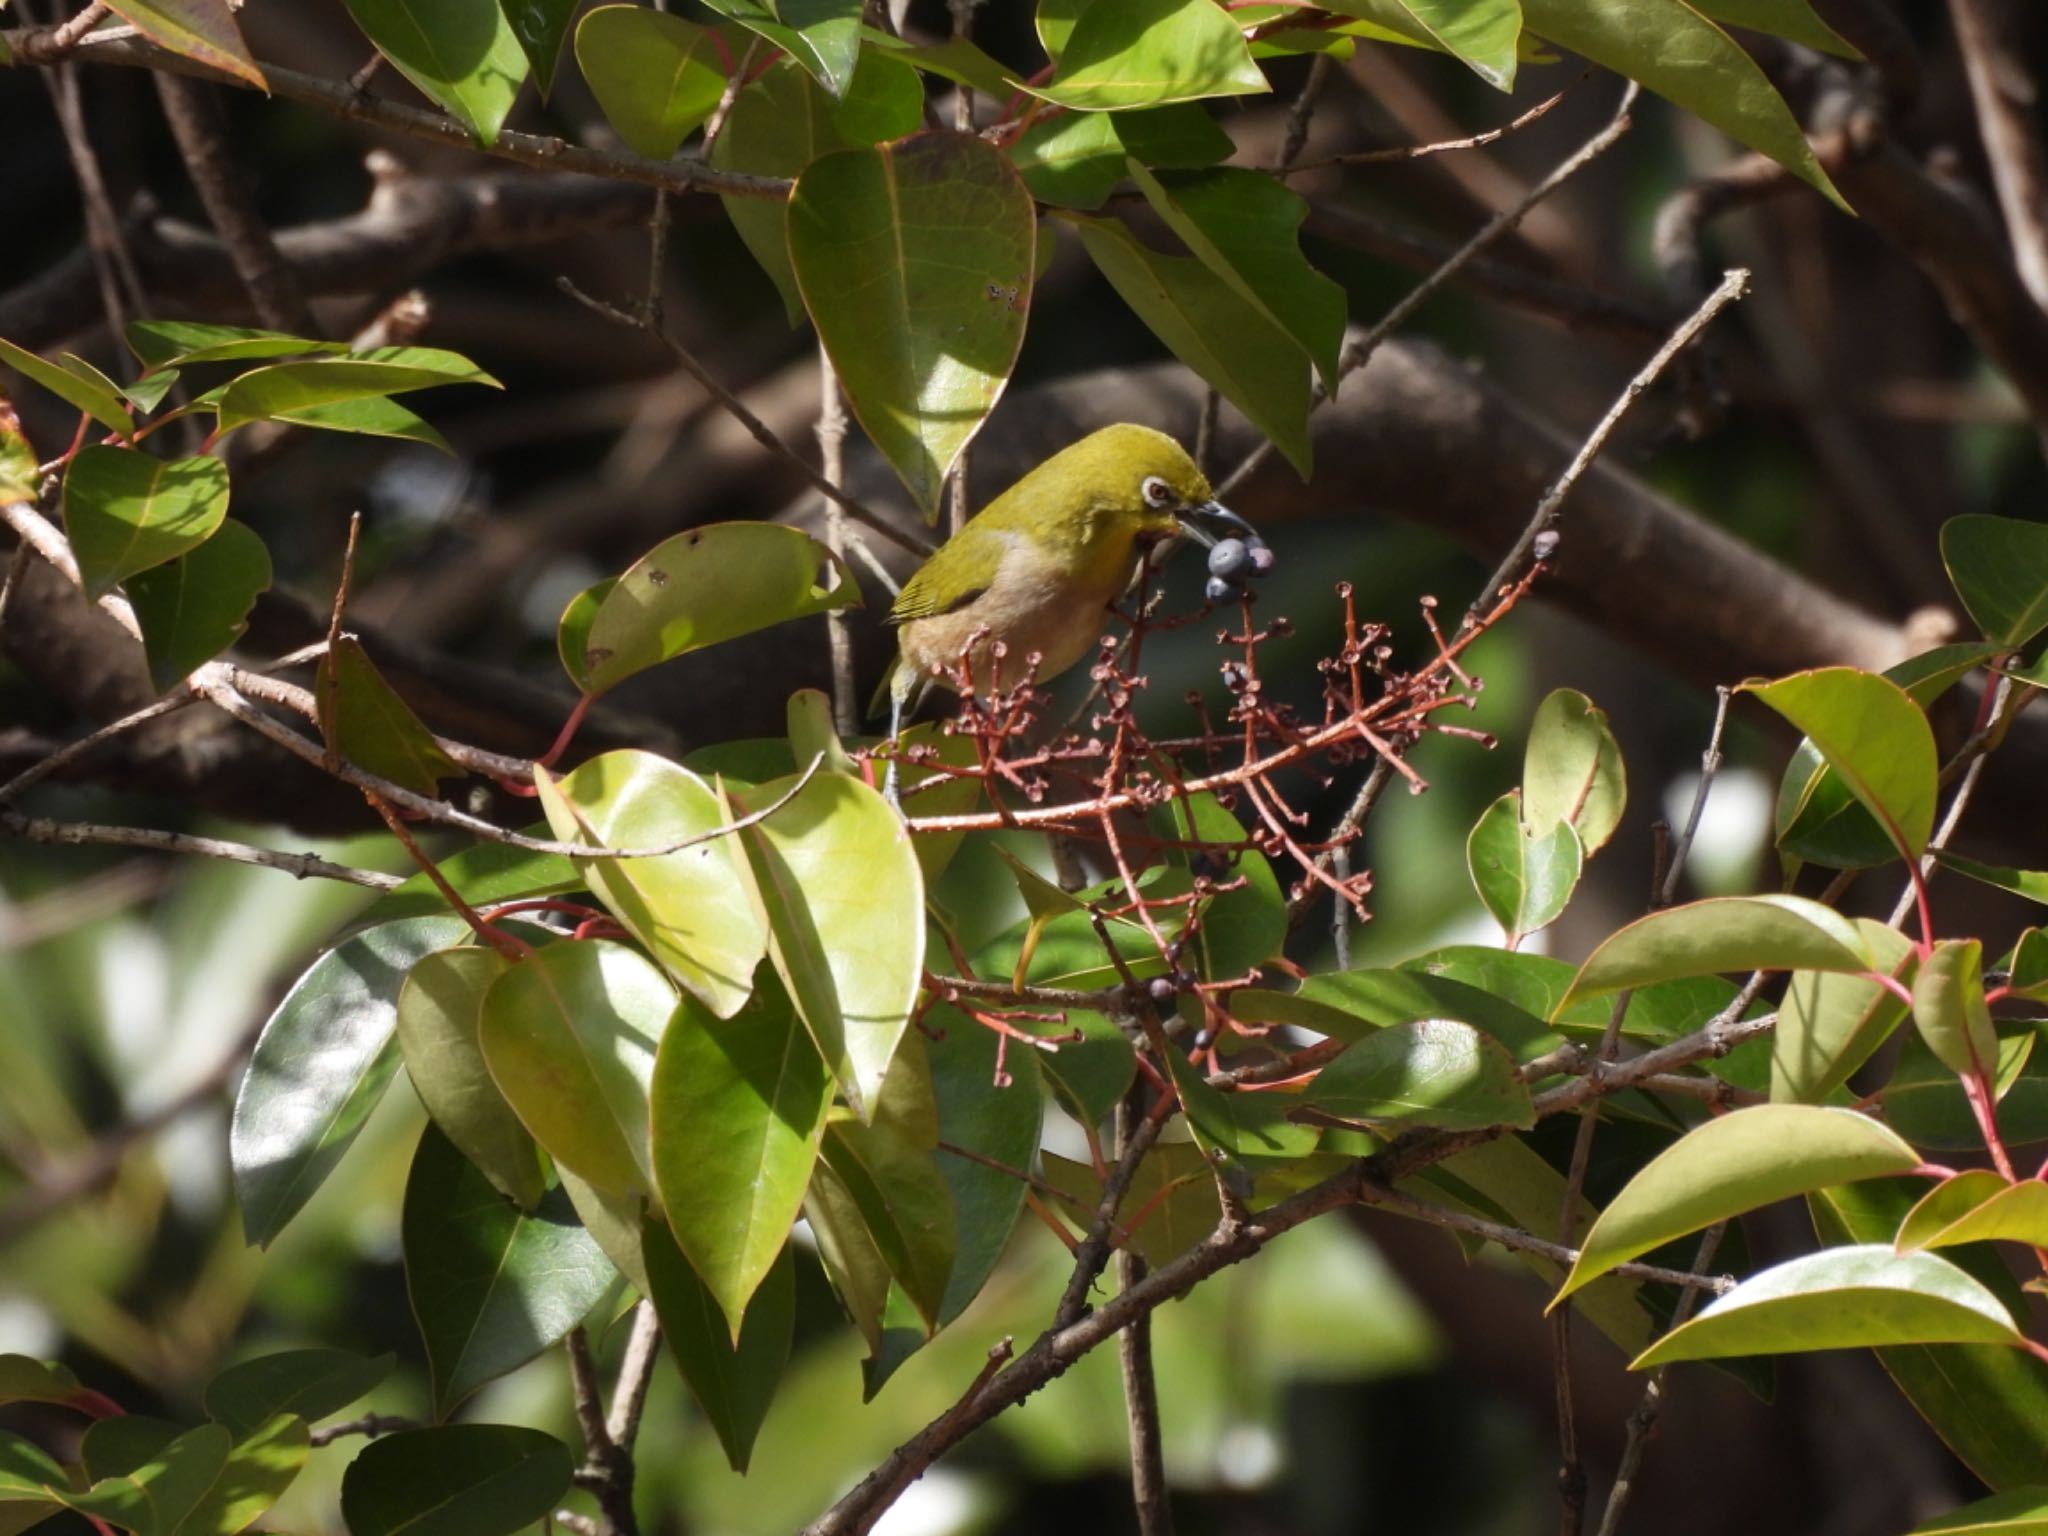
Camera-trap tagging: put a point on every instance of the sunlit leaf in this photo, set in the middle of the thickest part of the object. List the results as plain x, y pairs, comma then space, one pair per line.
126, 511
1524, 877
1572, 770
1872, 733
1999, 566
99, 398
655, 76
292, 391
1076, 159
311, 1383
180, 343
462, 54
1729, 933
1429, 1072
1949, 1007
1145, 53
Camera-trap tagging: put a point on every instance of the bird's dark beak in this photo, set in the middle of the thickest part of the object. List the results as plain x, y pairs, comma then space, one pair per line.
1216, 512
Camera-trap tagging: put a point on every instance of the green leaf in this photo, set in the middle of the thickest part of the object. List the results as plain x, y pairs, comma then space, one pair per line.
197, 605
655, 76
1173, 1190
1987, 1402
1738, 1162
20, 479
2022, 1512
1242, 928
1089, 1075
1481, 34
369, 416
1819, 818
821, 35
24, 1379
2013, 1213
125, 511
1793, 20
1572, 771
99, 397
1429, 1072
1524, 878
1950, 1200
1723, 933
462, 54
1872, 733
264, 1463
887, 1169
484, 873
1949, 1008
691, 908
991, 1113
198, 29
570, 1033
852, 1262
2028, 964
540, 26
1676, 52
1203, 321
783, 121
162, 344
297, 392
1385, 998
2030, 883
733, 1379
843, 900
1829, 1022
697, 589
320, 1066
440, 1009
1840, 1298
365, 721
1243, 226
1145, 53
147, 1484
953, 58
915, 261
490, 1286
455, 1480
311, 1383
1076, 159
1999, 567
1244, 1134
32, 1486
1925, 1103
738, 1110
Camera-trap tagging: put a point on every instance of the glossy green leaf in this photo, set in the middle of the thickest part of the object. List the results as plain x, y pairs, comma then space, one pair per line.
146, 1484
852, 1262
733, 1379
1950, 1200
2030, 883
99, 398
1949, 1008
655, 76
299, 391
1384, 998
2027, 966
367, 416
1874, 736
30, 1484
1481, 34
821, 35
991, 1112
1572, 770
462, 54
888, 1169
915, 261
1999, 567
783, 121
311, 1383
1429, 1072
699, 588
1146, 53
1253, 363
1089, 1075
1977, 1206
1726, 933
440, 1009
455, 1480
1681, 55
320, 1066
24, 1379
490, 1286
1076, 159
1987, 1402
197, 605
1840, 1298
540, 26
264, 1463
738, 1110
1524, 878
365, 721
690, 908
1737, 1162
1819, 818
125, 511
1793, 20
483, 873
180, 343
570, 1034
204, 30
843, 900
1243, 226
1925, 1103
1172, 1199
1244, 1134
1830, 1022
2021, 1512
613, 1222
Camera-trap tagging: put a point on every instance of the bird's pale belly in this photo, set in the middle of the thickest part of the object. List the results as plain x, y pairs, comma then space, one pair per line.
1047, 617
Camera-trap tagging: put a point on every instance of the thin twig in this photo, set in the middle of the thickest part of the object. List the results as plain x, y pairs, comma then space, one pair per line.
1439, 147
607, 1471
1971, 758
832, 465
1710, 765
370, 1424
1360, 351
302, 866
636, 1374
1149, 1492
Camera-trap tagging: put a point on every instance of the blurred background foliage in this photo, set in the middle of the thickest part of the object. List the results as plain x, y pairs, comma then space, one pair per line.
1365, 1375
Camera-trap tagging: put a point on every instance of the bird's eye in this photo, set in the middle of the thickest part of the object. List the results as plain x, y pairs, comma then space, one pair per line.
1156, 491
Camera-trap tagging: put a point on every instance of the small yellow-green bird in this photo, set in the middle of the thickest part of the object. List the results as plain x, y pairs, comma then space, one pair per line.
1037, 568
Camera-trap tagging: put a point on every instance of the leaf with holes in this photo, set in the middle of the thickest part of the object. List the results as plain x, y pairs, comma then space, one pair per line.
540, 26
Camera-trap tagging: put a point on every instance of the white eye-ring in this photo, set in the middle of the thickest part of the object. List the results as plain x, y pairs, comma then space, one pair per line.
1156, 491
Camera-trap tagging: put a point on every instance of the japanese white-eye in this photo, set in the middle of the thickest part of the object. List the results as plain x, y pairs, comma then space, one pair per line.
1037, 568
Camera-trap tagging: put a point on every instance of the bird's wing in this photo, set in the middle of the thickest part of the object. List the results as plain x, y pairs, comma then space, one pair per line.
961, 572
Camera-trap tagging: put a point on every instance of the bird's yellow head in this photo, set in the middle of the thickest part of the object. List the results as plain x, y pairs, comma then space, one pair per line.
1124, 477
